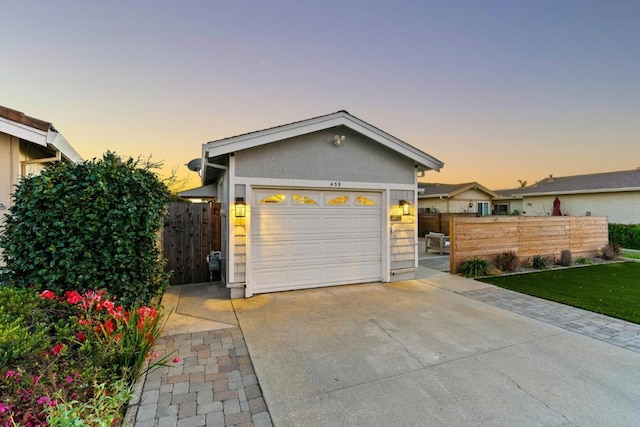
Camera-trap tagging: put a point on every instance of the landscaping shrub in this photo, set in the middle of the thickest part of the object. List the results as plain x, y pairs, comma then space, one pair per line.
565, 258
89, 349
475, 267
610, 251
625, 235
507, 261
88, 226
584, 260
540, 262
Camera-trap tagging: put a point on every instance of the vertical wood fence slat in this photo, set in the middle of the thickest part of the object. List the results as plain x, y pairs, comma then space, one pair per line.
190, 232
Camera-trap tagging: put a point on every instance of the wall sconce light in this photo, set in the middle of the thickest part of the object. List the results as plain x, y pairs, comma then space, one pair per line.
2, 207
470, 204
405, 207
337, 140
241, 207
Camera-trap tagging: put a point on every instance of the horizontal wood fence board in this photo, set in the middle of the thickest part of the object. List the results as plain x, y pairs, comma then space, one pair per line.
487, 237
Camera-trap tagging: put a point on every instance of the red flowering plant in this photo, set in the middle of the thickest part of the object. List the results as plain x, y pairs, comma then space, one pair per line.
76, 344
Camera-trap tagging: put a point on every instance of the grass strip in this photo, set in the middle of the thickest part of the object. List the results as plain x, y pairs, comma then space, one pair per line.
611, 289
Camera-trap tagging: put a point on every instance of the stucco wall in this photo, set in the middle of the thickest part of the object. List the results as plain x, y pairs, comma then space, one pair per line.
314, 157
620, 208
9, 173
433, 203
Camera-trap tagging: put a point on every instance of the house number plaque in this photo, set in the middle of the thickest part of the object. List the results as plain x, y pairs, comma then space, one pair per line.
335, 184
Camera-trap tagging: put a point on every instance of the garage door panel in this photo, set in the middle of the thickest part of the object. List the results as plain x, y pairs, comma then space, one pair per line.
286, 250
298, 246
315, 276
310, 250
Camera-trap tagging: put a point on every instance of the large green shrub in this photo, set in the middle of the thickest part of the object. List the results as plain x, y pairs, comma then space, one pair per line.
625, 235
88, 226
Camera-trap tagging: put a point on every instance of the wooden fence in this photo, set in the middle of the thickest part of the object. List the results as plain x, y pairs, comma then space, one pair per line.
191, 231
437, 222
487, 237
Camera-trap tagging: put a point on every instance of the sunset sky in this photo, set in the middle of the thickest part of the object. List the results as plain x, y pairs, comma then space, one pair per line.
498, 90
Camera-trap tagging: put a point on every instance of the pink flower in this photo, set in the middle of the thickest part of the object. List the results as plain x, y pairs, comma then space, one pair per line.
68, 379
4, 407
176, 359
10, 374
47, 294
81, 337
43, 399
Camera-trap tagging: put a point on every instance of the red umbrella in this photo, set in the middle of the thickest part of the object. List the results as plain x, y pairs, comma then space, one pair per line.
556, 207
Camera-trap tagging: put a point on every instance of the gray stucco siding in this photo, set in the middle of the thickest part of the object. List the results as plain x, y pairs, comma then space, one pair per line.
314, 157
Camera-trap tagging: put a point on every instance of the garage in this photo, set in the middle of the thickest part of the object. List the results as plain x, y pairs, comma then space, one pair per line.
325, 201
303, 238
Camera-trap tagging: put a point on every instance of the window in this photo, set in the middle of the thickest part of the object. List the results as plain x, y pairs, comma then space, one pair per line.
365, 201
501, 209
273, 199
300, 199
483, 208
339, 200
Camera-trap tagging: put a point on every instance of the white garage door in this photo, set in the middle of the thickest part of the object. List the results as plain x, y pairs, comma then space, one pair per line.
304, 239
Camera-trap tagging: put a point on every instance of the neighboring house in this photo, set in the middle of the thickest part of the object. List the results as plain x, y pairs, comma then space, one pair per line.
27, 145
325, 201
469, 197
615, 195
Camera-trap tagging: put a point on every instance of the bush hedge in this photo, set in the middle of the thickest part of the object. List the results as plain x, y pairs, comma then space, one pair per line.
88, 226
625, 235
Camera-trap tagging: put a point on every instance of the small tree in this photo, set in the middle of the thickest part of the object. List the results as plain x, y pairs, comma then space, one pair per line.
88, 226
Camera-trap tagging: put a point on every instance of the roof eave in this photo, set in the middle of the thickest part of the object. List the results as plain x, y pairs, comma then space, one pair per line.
589, 191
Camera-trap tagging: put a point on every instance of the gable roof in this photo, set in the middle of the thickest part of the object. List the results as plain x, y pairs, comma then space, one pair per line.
339, 118
18, 124
606, 182
426, 190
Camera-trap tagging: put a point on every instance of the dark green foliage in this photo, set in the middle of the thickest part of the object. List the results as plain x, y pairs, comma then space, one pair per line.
88, 226
540, 262
27, 323
584, 260
507, 261
565, 258
625, 235
610, 289
475, 267
611, 251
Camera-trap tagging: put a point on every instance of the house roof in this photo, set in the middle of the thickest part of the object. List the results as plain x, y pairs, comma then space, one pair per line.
18, 124
426, 190
340, 118
592, 183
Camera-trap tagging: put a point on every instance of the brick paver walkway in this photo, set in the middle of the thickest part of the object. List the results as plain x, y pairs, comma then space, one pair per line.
604, 328
213, 384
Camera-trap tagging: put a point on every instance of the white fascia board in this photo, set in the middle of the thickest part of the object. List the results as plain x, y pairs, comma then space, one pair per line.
59, 142
433, 196
254, 139
22, 131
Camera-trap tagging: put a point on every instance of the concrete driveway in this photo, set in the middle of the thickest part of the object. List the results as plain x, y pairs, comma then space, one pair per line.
419, 353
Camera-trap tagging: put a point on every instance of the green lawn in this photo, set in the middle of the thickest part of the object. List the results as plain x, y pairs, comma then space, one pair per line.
611, 289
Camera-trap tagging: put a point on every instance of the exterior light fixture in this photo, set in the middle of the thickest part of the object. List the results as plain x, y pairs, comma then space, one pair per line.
2, 207
470, 204
241, 207
405, 207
